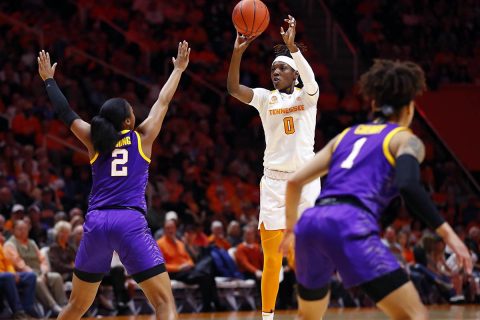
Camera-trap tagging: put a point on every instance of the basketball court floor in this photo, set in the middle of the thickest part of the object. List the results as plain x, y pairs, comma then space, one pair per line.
469, 312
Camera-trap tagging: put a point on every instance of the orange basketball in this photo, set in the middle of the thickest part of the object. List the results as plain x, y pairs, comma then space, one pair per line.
250, 17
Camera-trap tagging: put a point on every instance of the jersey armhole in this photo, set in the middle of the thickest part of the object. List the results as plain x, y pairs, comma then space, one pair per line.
140, 150
386, 144
339, 138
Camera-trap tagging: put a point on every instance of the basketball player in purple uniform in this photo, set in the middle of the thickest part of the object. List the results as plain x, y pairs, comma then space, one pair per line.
368, 165
115, 221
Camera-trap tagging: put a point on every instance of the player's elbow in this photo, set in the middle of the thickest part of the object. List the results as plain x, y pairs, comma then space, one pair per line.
232, 90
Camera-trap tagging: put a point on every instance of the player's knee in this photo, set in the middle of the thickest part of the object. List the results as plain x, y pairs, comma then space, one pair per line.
79, 305
160, 302
272, 261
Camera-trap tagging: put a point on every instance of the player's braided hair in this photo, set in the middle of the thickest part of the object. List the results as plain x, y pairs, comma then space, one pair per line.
282, 49
392, 85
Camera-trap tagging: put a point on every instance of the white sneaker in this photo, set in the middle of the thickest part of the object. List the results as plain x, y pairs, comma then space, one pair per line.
267, 315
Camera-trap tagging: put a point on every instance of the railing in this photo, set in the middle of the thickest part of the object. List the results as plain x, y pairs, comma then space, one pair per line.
107, 65
335, 33
62, 141
421, 115
24, 26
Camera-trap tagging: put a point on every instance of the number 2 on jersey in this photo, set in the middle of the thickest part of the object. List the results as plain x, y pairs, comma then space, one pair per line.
288, 125
357, 146
120, 158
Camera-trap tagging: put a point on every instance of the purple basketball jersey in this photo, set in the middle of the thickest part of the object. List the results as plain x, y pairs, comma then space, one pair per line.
120, 177
363, 166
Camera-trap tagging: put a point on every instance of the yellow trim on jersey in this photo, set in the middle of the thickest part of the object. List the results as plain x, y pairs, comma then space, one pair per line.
140, 150
369, 129
124, 131
94, 158
340, 137
386, 144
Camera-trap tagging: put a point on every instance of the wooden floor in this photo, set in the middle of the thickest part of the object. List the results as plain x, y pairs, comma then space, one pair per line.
469, 312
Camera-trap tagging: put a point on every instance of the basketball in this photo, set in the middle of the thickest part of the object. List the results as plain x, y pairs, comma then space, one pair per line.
250, 17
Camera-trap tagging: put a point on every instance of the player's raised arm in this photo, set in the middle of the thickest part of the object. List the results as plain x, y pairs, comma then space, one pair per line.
304, 69
410, 152
80, 128
235, 89
151, 126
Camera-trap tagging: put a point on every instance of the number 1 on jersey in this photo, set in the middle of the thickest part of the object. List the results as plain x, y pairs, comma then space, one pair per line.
120, 157
357, 146
288, 125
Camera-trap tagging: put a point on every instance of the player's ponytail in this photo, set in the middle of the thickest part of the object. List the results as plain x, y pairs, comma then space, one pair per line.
106, 126
392, 85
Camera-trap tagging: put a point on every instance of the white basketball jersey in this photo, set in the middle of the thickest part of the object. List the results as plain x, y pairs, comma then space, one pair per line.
289, 124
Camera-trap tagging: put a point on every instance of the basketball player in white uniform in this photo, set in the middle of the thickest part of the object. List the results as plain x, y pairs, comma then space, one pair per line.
288, 116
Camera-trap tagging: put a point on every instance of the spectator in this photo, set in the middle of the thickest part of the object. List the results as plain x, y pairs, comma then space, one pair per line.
37, 232
17, 287
404, 242
249, 255
217, 237
47, 207
6, 202
181, 267
18, 212
155, 214
390, 240
195, 251
26, 257
77, 235
62, 254
234, 233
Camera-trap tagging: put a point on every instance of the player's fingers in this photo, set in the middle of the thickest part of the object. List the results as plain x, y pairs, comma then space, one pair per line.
188, 52
468, 266
173, 60
48, 57
282, 32
54, 66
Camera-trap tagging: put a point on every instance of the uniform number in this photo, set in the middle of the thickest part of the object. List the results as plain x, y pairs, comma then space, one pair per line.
119, 169
357, 146
288, 125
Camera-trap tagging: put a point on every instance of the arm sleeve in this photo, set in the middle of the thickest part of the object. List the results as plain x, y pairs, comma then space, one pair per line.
416, 198
260, 98
60, 104
306, 73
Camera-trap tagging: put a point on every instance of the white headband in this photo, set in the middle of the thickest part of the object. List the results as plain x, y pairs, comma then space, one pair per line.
286, 60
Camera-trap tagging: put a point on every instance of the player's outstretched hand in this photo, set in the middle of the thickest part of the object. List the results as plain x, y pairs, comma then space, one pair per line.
287, 243
289, 35
45, 69
183, 55
242, 42
464, 259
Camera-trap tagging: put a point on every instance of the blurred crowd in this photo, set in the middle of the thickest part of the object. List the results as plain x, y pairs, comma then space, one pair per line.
442, 35
203, 195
